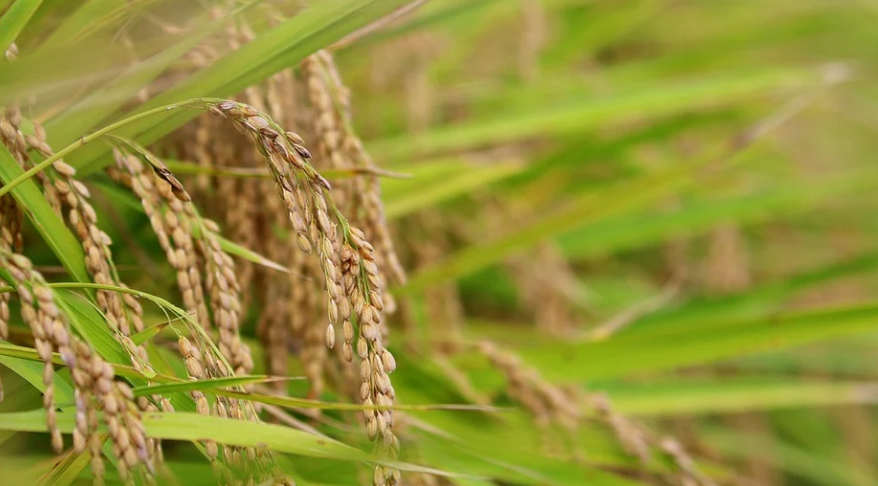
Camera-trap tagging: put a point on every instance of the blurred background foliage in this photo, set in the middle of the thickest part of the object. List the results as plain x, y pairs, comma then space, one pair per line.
668, 202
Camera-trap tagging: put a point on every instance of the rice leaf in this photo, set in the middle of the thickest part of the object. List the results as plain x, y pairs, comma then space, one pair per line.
194, 427
697, 343
54, 232
150, 332
209, 385
270, 52
724, 396
15, 19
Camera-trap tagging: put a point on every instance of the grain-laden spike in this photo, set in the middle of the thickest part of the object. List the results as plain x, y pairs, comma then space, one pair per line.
304, 203
632, 438
93, 381
95, 243
10, 232
192, 257
544, 401
322, 234
38, 309
175, 237
338, 143
224, 290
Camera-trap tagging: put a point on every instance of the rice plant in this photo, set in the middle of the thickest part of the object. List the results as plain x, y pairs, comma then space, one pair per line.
434, 243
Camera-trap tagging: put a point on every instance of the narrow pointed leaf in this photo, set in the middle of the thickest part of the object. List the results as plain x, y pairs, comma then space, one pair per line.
14, 20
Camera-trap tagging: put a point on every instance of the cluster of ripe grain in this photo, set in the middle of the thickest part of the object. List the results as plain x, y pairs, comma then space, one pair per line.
236, 462
93, 377
94, 385
63, 191
315, 103
164, 200
255, 218
549, 404
192, 247
638, 442
352, 283
339, 145
199, 261
10, 214
546, 402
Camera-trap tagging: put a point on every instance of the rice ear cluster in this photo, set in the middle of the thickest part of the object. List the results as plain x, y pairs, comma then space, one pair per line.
546, 402
93, 380
39, 312
166, 215
195, 369
361, 285
637, 442
632, 438
687, 472
340, 146
301, 188
123, 314
63, 190
292, 302
10, 214
224, 289
173, 220
10, 240
347, 261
